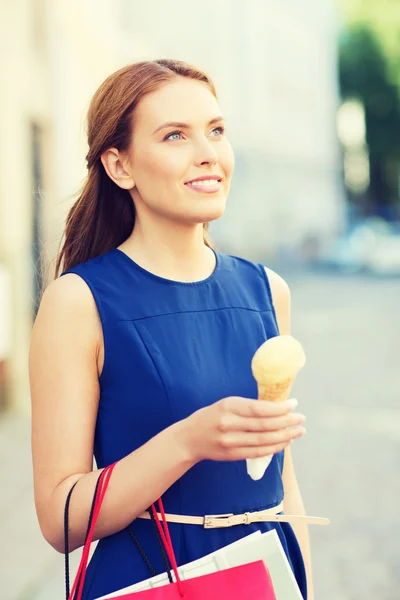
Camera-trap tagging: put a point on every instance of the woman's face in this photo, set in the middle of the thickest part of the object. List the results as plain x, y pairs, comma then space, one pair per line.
164, 157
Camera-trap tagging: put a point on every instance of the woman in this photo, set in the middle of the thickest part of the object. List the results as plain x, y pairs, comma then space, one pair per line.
141, 351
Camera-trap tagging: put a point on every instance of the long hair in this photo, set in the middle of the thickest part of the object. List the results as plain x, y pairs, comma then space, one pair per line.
103, 215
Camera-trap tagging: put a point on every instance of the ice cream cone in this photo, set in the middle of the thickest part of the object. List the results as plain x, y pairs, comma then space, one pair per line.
275, 392
275, 366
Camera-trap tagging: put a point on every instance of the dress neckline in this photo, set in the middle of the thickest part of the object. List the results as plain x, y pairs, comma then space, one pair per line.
134, 264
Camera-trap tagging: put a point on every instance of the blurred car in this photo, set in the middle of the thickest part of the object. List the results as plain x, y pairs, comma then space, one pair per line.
385, 259
372, 245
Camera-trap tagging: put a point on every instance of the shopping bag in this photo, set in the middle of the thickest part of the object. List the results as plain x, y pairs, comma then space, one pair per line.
247, 582
243, 582
251, 548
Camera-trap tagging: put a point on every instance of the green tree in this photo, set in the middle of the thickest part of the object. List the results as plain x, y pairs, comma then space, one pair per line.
382, 17
364, 74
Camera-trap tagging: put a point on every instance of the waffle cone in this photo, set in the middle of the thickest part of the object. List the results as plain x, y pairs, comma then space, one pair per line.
275, 392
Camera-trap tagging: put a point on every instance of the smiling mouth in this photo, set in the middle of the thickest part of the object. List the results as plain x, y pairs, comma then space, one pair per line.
205, 183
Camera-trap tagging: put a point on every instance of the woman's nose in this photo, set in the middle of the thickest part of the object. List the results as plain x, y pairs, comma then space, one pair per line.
206, 154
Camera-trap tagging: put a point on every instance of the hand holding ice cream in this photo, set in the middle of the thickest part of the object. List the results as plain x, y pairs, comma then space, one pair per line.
275, 366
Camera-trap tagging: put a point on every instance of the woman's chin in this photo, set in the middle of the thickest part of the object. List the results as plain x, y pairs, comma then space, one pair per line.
207, 217
215, 215
213, 212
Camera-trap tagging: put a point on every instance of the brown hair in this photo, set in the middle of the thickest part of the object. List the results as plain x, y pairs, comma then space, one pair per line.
103, 215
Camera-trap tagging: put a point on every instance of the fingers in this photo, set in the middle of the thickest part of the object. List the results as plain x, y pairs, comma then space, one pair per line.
235, 423
275, 423
243, 453
246, 407
245, 439
248, 428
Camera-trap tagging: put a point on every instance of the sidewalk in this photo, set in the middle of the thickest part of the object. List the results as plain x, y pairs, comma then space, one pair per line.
30, 569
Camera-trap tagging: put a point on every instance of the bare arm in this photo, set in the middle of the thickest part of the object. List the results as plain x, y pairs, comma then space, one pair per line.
293, 505
293, 502
63, 369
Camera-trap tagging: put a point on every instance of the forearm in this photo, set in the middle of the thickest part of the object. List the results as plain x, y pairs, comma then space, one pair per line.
293, 505
138, 480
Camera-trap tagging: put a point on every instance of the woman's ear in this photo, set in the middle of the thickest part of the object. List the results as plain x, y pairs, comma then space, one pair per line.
117, 168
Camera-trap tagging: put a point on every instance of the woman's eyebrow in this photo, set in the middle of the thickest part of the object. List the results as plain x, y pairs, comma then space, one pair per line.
185, 125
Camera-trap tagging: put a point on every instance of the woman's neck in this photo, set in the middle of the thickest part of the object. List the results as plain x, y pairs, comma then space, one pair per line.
178, 253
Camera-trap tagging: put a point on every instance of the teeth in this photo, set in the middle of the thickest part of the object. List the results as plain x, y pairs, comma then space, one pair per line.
205, 182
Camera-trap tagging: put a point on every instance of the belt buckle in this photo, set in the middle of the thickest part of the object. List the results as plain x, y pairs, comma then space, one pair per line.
247, 517
221, 518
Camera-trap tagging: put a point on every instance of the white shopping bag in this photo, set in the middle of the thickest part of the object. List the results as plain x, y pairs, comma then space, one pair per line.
256, 546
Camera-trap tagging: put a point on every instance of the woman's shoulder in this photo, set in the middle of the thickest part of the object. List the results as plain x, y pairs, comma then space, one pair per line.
276, 288
68, 299
276, 281
278, 284
66, 317
90, 267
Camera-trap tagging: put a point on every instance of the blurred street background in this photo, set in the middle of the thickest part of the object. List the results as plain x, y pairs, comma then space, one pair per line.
311, 95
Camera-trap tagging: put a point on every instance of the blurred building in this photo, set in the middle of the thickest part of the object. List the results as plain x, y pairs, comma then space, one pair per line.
275, 66
275, 70
54, 55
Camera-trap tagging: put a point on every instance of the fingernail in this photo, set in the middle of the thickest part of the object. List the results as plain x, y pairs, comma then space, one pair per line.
299, 432
293, 402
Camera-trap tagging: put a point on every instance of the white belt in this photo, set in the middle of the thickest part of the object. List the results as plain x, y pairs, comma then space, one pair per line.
228, 520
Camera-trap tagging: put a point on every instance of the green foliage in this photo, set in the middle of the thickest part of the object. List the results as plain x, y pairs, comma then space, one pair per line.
382, 18
364, 73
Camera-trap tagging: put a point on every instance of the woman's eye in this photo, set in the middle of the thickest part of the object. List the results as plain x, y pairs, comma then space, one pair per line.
220, 129
173, 133
169, 136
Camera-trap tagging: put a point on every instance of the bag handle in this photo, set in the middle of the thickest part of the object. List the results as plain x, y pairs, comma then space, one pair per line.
130, 531
81, 574
101, 488
166, 539
66, 531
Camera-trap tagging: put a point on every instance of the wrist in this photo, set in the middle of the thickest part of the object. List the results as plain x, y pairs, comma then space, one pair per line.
183, 437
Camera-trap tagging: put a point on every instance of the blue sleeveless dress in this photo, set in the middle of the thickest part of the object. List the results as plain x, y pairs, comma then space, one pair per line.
170, 349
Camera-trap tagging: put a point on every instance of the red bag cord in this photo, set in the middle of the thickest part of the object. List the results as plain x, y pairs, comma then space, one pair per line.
166, 538
81, 573
82, 566
104, 486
